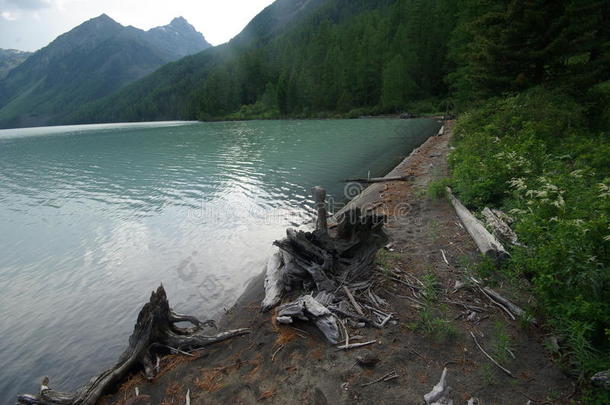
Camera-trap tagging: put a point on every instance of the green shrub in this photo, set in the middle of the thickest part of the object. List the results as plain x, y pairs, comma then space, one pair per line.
533, 156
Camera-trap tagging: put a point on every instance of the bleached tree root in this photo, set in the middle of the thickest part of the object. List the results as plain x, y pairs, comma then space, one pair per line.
440, 392
155, 331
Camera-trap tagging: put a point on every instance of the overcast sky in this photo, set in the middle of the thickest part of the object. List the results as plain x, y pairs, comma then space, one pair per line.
31, 24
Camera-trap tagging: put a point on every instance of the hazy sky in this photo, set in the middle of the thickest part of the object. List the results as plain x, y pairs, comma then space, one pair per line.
31, 24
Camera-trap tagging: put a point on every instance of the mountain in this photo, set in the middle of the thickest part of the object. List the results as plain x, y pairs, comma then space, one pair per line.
301, 58
179, 38
11, 58
91, 61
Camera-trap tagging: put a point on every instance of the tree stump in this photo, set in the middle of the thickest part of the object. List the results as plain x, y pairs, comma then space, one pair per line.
155, 331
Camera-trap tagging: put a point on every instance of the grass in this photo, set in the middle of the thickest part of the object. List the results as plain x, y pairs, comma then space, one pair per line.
432, 317
502, 343
437, 189
387, 259
487, 372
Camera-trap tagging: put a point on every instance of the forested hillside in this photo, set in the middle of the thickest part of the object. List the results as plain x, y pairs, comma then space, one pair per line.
303, 58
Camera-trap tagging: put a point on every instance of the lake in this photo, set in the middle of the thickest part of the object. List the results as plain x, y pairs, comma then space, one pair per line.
94, 217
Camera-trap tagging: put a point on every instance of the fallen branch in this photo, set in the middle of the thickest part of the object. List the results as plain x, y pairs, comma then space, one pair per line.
515, 309
382, 324
389, 376
353, 301
276, 352
355, 345
444, 257
489, 357
502, 307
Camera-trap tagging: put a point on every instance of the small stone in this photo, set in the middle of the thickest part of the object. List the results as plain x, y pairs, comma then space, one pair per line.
368, 360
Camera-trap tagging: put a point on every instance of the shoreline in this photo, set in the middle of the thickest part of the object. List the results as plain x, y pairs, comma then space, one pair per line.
295, 364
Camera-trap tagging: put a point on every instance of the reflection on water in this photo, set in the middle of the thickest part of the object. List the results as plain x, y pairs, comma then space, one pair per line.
94, 217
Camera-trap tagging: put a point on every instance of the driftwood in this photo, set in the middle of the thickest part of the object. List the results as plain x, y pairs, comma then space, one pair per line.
379, 179
155, 331
306, 308
440, 392
500, 229
334, 267
513, 308
486, 242
325, 261
274, 283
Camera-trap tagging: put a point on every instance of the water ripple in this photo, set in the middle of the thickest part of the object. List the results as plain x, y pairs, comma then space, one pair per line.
95, 217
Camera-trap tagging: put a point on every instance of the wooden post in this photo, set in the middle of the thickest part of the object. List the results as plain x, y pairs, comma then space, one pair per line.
319, 196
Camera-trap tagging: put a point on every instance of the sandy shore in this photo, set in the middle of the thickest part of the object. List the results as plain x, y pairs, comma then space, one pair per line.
296, 365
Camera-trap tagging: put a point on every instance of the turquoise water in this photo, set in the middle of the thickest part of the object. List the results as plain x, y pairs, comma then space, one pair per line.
94, 217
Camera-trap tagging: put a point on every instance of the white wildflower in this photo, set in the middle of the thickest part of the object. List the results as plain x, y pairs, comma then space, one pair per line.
550, 187
517, 211
560, 202
518, 184
604, 189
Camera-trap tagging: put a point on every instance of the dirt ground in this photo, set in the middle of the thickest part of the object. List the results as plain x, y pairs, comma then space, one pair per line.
296, 365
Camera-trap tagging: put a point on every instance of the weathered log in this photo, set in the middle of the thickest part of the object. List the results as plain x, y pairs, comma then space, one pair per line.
274, 282
154, 329
500, 229
485, 241
378, 179
306, 308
